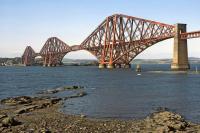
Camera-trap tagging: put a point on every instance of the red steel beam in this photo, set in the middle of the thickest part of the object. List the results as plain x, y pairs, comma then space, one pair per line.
117, 40
119, 33
189, 35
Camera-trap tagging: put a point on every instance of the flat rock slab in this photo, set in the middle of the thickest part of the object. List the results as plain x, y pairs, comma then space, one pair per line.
38, 105
16, 100
26, 109
61, 89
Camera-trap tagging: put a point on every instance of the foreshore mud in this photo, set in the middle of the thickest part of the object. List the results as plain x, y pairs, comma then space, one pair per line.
40, 114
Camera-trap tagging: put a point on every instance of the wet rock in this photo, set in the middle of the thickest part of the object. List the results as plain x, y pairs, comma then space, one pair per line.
80, 94
161, 109
52, 91
55, 100
26, 109
9, 121
38, 104
60, 89
48, 92
44, 105
16, 100
72, 87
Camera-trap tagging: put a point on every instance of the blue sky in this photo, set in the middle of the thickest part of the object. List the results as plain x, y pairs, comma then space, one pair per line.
31, 22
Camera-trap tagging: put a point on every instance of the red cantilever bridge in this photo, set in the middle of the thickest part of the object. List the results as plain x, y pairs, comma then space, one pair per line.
117, 41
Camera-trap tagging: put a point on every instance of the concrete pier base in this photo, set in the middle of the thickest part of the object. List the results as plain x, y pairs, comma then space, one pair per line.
180, 67
180, 55
127, 66
138, 68
117, 65
101, 66
110, 66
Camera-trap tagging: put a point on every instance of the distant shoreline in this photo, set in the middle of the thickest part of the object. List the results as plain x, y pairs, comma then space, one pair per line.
89, 62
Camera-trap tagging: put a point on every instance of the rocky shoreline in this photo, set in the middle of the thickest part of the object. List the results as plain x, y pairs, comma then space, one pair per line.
41, 114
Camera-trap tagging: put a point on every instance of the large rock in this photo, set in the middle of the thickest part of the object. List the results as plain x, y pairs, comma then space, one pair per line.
166, 121
9, 121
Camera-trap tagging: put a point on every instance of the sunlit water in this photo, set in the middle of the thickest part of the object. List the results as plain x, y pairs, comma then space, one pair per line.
116, 93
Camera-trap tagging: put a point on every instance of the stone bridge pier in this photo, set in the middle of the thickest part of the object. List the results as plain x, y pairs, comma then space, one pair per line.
180, 52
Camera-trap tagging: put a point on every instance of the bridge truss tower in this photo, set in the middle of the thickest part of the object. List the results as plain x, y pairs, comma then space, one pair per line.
180, 53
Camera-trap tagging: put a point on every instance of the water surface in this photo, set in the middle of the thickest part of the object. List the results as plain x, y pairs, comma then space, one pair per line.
116, 93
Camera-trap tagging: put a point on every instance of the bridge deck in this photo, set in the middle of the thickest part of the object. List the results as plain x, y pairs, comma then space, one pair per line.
189, 35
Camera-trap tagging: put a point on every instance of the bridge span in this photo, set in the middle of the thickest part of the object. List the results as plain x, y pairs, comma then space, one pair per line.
117, 41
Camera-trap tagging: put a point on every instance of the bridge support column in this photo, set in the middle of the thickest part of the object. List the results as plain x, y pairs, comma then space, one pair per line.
101, 66
110, 66
127, 66
117, 65
180, 55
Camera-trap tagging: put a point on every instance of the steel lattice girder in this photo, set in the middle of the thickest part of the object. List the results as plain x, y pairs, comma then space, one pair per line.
28, 56
119, 38
53, 51
189, 35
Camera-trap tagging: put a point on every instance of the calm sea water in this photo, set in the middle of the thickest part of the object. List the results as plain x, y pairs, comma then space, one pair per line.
116, 93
